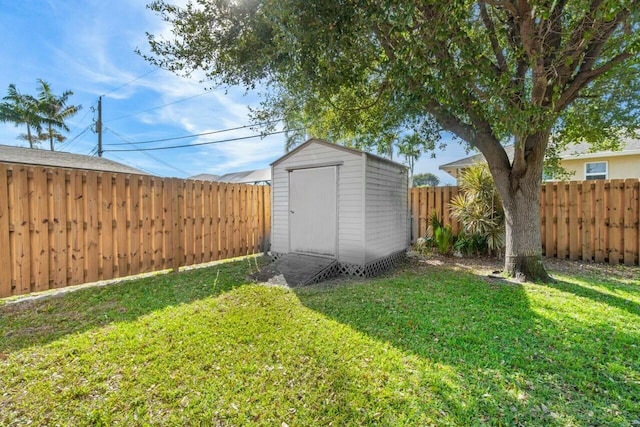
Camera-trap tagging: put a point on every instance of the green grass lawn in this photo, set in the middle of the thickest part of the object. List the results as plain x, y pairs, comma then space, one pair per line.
423, 345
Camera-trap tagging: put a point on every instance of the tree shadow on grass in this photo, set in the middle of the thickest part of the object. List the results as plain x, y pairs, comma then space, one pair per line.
601, 297
40, 321
515, 364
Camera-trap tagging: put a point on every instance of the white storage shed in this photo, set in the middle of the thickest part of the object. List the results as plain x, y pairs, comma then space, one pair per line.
337, 202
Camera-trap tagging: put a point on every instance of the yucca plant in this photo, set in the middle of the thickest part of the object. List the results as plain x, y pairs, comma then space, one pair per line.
479, 208
444, 240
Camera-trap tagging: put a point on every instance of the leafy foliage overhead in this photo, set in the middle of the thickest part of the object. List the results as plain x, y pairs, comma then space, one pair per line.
365, 70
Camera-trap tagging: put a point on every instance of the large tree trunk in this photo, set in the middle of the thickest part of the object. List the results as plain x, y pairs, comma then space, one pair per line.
519, 188
523, 247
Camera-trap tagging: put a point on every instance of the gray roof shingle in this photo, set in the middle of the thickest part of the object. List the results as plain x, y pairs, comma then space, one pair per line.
33, 156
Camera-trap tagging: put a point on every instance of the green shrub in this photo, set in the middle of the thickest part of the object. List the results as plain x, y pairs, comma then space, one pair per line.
470, 244
479, 208
444, 240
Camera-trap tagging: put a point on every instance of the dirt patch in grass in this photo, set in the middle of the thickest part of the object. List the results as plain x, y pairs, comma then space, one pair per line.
486, 266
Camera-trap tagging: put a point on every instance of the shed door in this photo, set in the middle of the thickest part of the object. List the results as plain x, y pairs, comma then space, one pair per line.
312, 210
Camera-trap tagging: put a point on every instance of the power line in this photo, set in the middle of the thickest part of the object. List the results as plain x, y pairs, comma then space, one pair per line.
146, 154
195, 134
206, 143
133, 166
68, 143
131, 81
156, 107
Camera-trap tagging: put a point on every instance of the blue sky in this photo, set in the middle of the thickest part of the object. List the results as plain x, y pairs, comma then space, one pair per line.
88, 47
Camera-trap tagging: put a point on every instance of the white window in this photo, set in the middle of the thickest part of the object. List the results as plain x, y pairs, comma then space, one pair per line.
596, 170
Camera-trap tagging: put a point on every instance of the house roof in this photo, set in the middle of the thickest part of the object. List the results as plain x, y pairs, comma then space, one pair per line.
244, 177
205, 177
34, 156
581, 150
338, 147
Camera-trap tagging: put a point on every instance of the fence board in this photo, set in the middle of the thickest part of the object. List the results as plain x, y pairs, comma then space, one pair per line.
75, 228
6, 260
631, 215
146, 202
199, 222
174, 197
574, 221
235, 215
222, 221
215, 222
106, 226
255, 209
587, 220
414, 202
19, 212
39, 224
615, 235
93, 254
543, 218
135, 220
550, 248
206, 221
261, 218
242, 219
161, 219
58, 236
562, 212
599, 226
456, 226
187, 209
120, 226
267, 217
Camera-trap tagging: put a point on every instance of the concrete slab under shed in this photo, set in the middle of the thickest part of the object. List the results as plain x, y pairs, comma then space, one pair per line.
299, 269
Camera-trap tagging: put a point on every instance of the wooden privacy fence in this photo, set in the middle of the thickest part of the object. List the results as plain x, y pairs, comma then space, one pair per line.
61, 227
588, 220
591, 220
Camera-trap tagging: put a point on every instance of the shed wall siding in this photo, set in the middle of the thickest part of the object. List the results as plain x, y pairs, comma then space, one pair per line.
386, 221
350, 200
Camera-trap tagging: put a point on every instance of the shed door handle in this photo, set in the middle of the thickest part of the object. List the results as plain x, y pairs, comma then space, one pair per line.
292, 211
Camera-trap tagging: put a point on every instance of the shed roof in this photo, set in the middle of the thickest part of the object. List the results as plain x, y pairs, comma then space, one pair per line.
34, 156
338, 147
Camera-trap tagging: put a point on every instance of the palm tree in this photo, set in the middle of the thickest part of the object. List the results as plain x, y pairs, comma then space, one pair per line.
54, 111
21, 109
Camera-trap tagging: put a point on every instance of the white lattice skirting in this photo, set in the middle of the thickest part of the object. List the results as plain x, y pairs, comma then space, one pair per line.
370, 269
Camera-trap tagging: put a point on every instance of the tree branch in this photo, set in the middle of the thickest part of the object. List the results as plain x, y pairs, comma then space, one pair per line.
585, 77
587, 49
488, 23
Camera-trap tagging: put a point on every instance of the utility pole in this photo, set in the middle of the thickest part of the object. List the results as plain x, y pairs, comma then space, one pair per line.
99, 127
